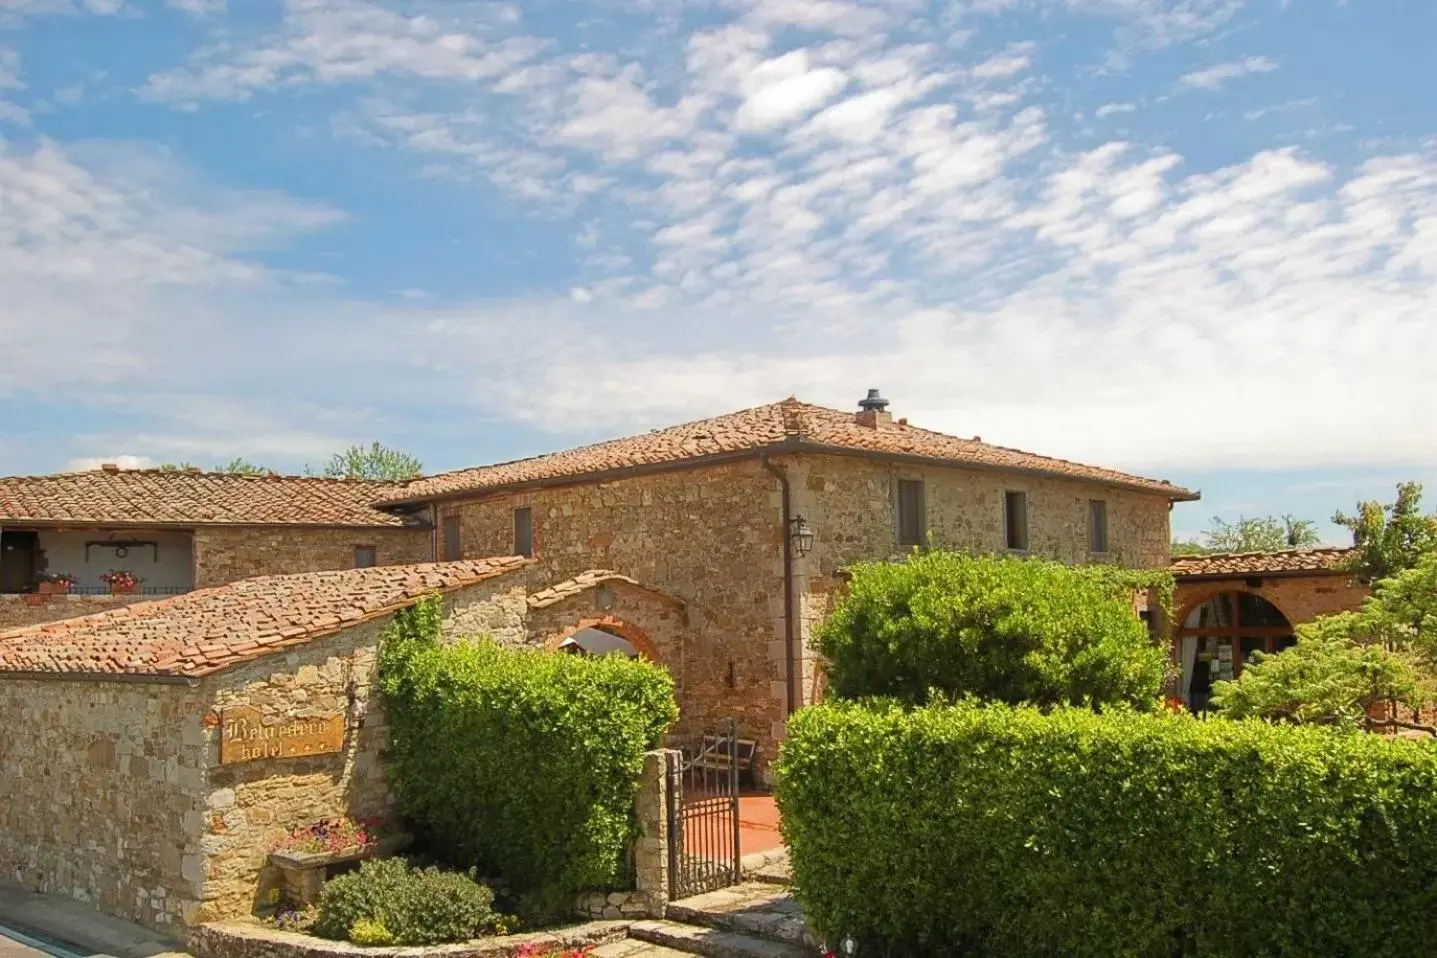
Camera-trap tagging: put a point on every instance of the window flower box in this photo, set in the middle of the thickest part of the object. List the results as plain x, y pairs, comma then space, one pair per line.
61, 587
305, 857
121, 582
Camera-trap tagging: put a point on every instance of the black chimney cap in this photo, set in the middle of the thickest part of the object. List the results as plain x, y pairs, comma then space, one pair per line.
874, 402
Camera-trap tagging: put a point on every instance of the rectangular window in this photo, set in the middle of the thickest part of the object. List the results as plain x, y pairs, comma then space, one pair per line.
1097, 526
912, 523
524, 531
364, 557
452, 548
1015, 519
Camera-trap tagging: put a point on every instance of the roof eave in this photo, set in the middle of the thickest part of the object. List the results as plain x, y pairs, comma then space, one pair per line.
176, 524
791, 446
1255, 574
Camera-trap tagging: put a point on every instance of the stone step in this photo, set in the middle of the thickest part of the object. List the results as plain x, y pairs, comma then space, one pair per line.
633, 948
768, 866
755, 908
713, 942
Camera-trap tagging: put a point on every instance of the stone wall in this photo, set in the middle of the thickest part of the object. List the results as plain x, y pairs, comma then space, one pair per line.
709, 537
852, 505
102, 793
1300, 598
251, 805
18, 611
229, 553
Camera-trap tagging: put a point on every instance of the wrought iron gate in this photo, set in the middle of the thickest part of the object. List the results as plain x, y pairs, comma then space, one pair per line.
703, 814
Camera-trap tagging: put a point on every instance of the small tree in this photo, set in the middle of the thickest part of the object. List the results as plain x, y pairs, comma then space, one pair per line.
235, 467
1261, 534
1342, 665
1389, 538
996, 628
372, 462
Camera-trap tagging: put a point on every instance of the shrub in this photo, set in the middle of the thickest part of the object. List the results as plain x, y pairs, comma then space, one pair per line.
967, 830
999, 628
385, 897
523, 764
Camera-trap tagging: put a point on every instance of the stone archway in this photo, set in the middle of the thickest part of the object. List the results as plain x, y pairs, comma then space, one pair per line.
613, 625
1219, 631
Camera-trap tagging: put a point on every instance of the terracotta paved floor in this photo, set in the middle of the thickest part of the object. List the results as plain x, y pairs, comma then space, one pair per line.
758, 824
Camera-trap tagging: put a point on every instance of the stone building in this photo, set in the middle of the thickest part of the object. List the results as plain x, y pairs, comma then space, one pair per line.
153, 754
749, 518
179, 531
1228, 606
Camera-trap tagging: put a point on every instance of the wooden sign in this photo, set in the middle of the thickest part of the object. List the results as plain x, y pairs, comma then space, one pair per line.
246, 737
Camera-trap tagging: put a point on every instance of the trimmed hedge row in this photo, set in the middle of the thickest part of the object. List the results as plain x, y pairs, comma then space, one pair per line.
970, 830
1002, 628
519, 763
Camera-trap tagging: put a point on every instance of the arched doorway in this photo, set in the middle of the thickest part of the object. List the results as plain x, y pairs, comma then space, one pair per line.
595, 641
1219, 634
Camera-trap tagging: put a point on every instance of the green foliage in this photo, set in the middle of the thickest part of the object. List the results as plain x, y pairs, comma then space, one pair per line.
386, 899
1390, 538
235, 467
1331, 677
999, 831
1252, 534
369, 933
1015, 630
521, 763
1342, 664
372, 462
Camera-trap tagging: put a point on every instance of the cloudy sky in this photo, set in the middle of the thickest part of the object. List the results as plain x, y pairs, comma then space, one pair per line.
1191, 238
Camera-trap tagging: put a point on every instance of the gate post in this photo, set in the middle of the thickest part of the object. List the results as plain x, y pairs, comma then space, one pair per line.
651, 855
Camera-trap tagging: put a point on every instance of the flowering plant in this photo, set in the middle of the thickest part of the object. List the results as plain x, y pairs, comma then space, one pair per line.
536, 950
331, 835
120, 579
58, 577
294, 917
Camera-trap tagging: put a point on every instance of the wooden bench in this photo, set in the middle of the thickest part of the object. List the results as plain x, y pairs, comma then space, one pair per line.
714, 755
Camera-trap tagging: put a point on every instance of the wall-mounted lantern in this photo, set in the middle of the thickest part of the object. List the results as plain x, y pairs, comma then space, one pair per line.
802, 535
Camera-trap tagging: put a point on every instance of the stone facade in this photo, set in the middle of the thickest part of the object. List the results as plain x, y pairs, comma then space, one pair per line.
113, 792
18, 611
103, 791
229, 553
713, 538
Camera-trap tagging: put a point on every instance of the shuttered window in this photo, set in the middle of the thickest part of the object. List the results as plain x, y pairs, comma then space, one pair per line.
1015, 519
1097, 525
364, 557
524, 532
452, 549
912, 523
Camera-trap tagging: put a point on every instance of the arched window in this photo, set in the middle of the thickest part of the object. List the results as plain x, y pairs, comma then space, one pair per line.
1222, 632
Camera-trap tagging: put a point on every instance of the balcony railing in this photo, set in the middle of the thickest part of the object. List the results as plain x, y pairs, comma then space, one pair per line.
146, 590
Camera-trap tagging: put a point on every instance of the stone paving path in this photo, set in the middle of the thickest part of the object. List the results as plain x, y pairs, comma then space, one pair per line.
760, 909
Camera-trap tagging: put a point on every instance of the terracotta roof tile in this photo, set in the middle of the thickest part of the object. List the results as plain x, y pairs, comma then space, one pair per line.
589, 580
153, 497
202, 632
787, 425
1231, 564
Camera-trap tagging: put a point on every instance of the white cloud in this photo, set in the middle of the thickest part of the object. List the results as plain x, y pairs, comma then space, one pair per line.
1113, 109
1013, 60
199, 8
91, 463
785, 89
1213, 77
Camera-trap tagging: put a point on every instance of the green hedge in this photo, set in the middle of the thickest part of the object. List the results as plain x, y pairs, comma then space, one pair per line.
385, 902
1014, 630
1000, 831
520, 763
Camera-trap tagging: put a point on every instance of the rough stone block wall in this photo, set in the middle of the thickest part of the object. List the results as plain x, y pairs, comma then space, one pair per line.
229, 553
710, 537
18, 611
101, 795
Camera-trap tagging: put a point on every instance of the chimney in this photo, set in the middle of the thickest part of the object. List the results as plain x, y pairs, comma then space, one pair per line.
109, 467
873, 411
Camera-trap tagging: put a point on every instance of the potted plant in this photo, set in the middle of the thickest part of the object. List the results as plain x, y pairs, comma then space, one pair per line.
57, 583
121, 581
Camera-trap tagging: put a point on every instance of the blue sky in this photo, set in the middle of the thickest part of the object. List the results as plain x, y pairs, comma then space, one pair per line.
1191, 238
